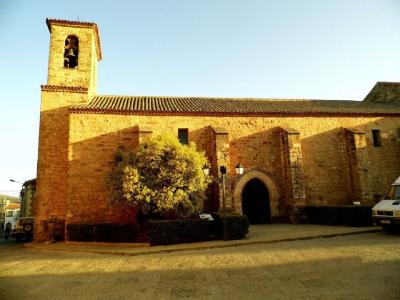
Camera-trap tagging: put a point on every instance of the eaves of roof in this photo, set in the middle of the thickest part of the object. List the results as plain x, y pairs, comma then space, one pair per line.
208, 106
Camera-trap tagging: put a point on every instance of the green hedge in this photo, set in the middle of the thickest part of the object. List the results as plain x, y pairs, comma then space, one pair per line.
351, 215
105, 232
231, 227
166, 232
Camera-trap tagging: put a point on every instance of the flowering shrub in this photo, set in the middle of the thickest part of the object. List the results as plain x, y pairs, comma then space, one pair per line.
162, 177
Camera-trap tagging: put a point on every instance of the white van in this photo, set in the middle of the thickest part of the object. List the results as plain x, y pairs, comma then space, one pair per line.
387, 212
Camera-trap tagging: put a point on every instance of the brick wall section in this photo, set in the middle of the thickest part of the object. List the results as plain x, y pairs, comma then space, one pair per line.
255, 142
363, 164
53, 157
92, 148
65, 87
359, 165
384, 160
325, 165
221, 157
324, 161
85, 75
292, 163
143, 134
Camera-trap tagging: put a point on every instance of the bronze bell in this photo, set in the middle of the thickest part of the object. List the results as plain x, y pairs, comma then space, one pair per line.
70, 53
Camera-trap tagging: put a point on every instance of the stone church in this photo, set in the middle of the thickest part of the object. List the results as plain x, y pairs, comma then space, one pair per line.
294, 151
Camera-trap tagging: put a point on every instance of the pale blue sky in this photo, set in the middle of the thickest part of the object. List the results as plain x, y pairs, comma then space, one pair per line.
275, 49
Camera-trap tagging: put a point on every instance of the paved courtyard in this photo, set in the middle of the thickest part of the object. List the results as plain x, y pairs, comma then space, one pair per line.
364, 266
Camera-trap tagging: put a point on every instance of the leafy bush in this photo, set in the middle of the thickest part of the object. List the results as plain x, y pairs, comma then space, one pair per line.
166, 232
351, 215
231, 227
162, 178
105, 232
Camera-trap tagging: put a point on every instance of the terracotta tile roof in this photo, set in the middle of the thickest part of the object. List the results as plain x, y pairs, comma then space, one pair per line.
384, 92
68, 23
159, 105
13, 206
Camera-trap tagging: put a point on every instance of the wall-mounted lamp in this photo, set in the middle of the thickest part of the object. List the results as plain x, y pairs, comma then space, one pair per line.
239, 169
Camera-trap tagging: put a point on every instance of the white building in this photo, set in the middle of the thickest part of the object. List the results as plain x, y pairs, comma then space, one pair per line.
11, 214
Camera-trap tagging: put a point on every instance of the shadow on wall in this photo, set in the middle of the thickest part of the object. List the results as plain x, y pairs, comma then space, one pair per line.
204, 142
384, 160
91, 155
261, 151
90, 162
329, 170
52, 166
326, 170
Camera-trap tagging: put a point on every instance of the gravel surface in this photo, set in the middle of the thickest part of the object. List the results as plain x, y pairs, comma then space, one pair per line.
365, 266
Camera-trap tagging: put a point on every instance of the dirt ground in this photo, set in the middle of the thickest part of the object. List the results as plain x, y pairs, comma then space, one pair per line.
365, 266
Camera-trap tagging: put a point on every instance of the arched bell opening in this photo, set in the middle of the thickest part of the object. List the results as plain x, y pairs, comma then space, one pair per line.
71, 52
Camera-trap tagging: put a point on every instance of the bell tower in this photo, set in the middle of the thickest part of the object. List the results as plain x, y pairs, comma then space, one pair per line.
72, 73
74, 53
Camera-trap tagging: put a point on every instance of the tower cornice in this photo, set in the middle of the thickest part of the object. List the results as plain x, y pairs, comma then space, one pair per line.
61, 88
67, 23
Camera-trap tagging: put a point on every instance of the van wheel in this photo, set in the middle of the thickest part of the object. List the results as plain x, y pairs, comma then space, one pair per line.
388, 228
28, 228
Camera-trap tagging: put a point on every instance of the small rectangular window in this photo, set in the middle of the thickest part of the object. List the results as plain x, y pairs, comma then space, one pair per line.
183, 136
9, 213
376, 136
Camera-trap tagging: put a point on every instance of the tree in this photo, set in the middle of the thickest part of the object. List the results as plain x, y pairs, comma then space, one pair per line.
162, 177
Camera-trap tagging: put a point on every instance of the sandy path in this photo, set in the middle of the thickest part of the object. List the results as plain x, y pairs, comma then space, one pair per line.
365, 266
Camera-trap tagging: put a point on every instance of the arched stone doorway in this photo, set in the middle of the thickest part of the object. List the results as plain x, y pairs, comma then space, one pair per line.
255, 202
269, 185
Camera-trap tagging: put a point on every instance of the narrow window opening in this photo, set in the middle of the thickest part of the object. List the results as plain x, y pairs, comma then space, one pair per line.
376, 136
183, 136
71, 52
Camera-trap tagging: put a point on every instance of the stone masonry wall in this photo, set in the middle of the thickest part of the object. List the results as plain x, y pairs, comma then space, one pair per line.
358, 163
253, 141
65, 87
86, 72
292, 164
383, 160
53, 157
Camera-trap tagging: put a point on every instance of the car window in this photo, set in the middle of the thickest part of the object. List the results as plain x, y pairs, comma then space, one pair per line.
393, 193
397, 192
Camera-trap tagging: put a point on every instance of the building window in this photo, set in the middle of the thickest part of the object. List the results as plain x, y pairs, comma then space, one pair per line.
9, 213
376, 136
183, 136
71, 52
